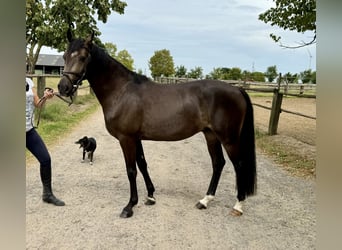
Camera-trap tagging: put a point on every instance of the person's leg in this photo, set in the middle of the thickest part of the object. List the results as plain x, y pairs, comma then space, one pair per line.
36, 146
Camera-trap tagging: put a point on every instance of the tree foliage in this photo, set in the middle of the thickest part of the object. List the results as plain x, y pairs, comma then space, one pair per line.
307, 76
122, 56
111, 49
291, 78
196, 73
215, 74
125, 58
161, 64
224, 73
254, 76
271, 73
235, 73
294, 15
47, 22
180, 71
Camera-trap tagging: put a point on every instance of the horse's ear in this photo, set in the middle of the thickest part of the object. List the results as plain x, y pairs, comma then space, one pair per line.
89, 40
69, 35
90, 37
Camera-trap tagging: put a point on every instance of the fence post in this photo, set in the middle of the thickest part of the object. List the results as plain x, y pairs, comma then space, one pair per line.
279, 81
275, 112
41, 83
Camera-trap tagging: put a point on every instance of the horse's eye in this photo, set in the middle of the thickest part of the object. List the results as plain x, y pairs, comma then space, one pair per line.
83, 58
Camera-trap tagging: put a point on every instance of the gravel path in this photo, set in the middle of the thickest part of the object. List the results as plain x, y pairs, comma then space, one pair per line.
281, 216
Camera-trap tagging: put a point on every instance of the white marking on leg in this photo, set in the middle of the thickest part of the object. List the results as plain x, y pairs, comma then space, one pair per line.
238, 206
205, 201
152, 199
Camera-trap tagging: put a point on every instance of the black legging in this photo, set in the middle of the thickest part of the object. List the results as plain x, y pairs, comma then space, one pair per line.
36, 146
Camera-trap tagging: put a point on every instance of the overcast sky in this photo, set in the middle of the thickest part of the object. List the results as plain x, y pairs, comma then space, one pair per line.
208, 34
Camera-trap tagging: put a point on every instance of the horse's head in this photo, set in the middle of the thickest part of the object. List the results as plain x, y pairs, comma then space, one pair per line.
76, 59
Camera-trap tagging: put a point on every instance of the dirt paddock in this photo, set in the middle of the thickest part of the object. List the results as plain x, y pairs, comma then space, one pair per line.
295, 132
298, 127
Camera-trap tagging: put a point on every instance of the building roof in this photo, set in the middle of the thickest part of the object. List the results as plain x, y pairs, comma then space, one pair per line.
50, 60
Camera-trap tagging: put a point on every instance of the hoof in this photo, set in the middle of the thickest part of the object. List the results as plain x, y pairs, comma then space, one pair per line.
199, 205
126, 214
235, 213
91, 163
150, 201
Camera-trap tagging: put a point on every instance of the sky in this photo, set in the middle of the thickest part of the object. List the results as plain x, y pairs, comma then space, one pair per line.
207, 34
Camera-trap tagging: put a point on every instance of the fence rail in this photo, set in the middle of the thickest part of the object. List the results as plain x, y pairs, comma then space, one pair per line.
289, 89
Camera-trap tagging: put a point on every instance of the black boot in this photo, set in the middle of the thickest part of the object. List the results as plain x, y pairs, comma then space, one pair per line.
48, 197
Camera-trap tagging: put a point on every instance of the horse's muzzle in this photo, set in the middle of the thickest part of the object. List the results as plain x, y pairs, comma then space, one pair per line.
64, 87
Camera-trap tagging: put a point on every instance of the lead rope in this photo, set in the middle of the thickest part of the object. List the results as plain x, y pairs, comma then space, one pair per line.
42, 102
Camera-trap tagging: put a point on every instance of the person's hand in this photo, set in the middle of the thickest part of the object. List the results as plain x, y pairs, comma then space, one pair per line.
48, 93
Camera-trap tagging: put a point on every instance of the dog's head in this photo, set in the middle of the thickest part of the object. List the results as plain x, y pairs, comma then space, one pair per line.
83, 142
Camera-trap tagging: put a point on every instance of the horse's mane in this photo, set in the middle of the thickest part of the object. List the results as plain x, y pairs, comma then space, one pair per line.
98, 52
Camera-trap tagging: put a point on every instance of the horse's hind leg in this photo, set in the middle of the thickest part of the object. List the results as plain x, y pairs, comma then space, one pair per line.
233, 153
142, 165
217, 158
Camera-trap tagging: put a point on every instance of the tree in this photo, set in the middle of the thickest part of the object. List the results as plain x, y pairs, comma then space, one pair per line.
111, 49
226, 73
215, 74
258, 76
161, 64
196, 73
291, 78
122, 56
306, 76
271, 73
180, 71
235, 73
125, 58
294, 15
47, 22
313, 77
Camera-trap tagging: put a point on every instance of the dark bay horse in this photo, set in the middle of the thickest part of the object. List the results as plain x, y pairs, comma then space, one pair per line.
136, 108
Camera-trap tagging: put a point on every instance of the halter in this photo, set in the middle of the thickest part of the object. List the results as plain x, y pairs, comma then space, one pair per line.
80, 76
78, 82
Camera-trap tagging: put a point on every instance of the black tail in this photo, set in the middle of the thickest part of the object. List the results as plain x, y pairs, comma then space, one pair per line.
247, 179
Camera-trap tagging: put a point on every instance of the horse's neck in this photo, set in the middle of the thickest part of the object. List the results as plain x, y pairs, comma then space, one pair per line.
106, 77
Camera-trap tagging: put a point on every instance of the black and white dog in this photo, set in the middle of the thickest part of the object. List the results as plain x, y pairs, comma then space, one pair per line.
89, 146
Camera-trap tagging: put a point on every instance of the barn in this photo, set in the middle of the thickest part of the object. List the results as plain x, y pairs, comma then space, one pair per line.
49, 65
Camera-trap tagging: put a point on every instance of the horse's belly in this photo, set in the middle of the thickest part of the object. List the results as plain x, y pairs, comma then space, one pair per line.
171, 130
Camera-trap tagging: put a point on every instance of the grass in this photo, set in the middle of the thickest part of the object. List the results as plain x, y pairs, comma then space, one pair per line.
57, 118
285, 156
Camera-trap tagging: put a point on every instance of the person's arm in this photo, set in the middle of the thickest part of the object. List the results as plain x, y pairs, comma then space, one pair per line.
39, 102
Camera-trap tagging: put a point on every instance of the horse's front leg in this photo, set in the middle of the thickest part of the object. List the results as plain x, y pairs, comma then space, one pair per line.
128, 146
